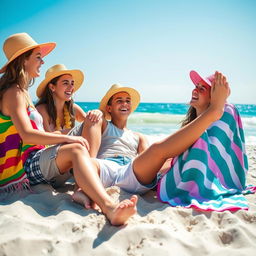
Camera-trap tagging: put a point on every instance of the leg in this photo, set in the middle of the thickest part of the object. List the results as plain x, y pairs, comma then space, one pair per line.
85, 173
169, 147
81, 198
92, 132
147, 164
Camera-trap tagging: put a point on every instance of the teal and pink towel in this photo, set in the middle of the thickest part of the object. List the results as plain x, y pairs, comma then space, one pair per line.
211, 174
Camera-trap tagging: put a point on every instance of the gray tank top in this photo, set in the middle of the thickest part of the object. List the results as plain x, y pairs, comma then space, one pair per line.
118, 142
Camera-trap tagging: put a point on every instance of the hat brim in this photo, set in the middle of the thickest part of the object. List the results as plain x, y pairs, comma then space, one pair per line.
77, 75
135, 99
196, 78
46, 48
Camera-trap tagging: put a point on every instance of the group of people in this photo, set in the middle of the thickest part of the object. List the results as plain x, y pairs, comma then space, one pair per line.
56, 139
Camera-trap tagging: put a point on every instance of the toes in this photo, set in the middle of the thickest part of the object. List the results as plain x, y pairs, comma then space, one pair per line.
134, 199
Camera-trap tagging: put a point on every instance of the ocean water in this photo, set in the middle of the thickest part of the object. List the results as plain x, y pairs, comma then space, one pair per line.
157, 120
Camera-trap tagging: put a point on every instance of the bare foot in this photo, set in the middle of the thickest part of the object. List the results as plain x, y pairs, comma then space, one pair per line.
81, 198
120, 214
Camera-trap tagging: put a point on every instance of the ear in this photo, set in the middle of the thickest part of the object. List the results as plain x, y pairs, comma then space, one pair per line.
108, 108
51, 87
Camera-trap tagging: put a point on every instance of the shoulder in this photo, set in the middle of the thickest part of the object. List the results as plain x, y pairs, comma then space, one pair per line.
13, 99
141, 136
13, 91
76, 107
80, 115
105, 124
43, 111
14, 95
41, 108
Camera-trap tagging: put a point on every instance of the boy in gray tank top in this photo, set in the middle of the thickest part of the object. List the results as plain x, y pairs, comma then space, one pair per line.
119, 145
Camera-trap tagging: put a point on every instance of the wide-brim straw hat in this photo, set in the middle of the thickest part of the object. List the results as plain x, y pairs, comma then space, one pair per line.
17, 44
115, 88
59, 70
196, 78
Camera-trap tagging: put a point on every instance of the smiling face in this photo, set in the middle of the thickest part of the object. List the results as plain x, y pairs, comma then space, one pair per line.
64, 88
201, 96
120, 105
33, 63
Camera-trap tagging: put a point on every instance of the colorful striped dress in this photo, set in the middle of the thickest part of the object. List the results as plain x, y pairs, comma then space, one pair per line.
13, 154
211, 174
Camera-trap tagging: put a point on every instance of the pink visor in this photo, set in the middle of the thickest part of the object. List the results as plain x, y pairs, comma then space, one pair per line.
196, 78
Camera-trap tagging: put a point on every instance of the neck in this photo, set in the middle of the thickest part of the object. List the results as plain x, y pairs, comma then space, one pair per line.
120, 123
200, 111
59, 106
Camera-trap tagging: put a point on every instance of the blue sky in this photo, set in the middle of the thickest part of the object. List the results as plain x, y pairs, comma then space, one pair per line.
149, 45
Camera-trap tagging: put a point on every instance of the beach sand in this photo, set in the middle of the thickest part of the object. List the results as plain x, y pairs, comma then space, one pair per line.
48, 222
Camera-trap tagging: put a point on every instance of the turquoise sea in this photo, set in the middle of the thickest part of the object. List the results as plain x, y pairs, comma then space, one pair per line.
157, 120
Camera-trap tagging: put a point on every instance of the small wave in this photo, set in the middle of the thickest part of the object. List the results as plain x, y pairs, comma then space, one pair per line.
155, 118
249, 121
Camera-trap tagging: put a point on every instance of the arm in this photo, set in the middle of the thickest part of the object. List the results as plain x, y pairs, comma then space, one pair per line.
93, 115
181, 140
80, 115
15, 106
143, 143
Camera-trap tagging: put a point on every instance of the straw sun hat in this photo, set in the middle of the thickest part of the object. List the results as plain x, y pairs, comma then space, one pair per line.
115, 88
196, 78
58, 70
17, 44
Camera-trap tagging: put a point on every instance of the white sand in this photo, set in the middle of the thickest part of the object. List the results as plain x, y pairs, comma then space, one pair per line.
49, 223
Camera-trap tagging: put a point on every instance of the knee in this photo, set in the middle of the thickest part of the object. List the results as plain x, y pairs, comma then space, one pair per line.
157, 148
89, 123
77, 149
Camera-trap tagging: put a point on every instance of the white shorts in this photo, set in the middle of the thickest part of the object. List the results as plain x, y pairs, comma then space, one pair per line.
113, 174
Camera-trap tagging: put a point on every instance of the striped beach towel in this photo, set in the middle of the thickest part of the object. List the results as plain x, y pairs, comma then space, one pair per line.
211, 174
13, 154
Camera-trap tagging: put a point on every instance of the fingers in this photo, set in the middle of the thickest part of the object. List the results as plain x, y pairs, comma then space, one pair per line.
85, 143
79, 139
94, 115
219, 79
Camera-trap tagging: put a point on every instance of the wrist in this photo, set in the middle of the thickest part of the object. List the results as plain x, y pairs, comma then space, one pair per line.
215, 112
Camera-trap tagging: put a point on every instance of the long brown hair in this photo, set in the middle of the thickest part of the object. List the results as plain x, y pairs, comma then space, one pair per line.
15, 74
48, 100
190, 116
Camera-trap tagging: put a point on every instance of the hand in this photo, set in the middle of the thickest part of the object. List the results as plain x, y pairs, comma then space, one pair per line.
78, 139
219, 93
94, 115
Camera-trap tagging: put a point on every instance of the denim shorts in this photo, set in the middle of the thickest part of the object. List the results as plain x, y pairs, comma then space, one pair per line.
41, 167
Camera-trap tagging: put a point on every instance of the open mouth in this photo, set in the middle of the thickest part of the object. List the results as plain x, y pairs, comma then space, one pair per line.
124, 110
194, 98
68, 93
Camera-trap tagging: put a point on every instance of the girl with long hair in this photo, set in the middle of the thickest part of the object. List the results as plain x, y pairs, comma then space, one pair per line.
60, 113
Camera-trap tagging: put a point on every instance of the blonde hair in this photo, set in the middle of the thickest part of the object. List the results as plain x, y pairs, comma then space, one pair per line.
15, 74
